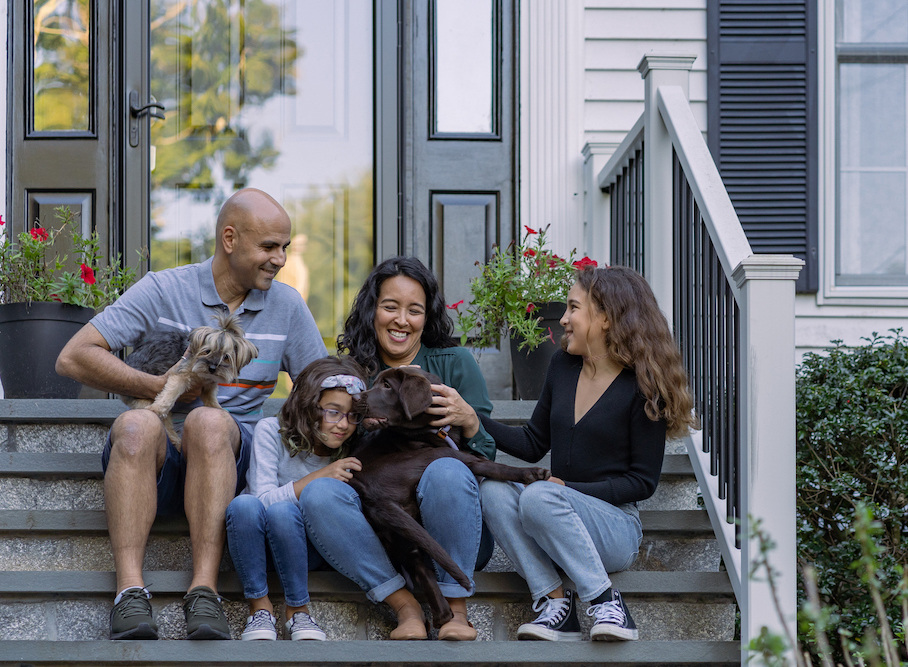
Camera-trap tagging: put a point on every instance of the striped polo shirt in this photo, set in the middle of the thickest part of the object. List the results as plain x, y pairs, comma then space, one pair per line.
277, 321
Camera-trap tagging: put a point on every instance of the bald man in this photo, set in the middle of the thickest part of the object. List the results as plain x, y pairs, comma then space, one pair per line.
145, 475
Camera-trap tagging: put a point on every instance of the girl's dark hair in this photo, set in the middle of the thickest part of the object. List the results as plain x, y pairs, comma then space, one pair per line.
639, 338
299, 418
359, 338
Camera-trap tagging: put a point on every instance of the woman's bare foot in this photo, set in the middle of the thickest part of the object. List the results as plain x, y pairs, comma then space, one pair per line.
411, 622
458, 629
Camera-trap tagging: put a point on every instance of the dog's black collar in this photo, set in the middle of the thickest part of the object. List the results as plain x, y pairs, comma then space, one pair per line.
443, 434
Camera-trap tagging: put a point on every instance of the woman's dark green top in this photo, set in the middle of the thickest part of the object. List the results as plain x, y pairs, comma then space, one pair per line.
458, 369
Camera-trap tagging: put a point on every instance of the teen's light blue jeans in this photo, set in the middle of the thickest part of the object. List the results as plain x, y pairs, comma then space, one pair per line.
448, 498
258, 537
544, 524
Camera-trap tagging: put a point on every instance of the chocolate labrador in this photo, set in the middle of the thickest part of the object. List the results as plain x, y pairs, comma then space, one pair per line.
394, 457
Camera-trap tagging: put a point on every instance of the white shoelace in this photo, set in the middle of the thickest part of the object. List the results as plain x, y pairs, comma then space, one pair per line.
553, 609
607, 612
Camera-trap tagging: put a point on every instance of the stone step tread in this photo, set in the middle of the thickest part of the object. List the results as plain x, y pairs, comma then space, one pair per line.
376, 653
105, 410
324, 584
72, 465
84, 522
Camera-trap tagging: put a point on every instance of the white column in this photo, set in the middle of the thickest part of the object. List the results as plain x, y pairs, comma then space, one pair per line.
767, 456
596, 214
551, 111
658, 70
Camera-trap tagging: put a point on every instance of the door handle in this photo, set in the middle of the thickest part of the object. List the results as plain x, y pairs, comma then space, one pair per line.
152, 109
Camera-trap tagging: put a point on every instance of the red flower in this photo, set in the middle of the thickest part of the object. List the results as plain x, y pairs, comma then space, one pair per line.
56, 298
585, 262
88, 274
531, 307
529, 252
2, 221
530, 230
39, 233
454, 306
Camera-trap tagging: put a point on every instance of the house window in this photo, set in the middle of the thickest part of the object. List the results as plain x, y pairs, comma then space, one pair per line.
871, 49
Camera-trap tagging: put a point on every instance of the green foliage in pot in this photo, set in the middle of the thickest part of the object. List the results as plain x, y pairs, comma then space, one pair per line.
852, 439
32, 268
512, 283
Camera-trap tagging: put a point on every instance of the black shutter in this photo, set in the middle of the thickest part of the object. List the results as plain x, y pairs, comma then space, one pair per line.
762, 102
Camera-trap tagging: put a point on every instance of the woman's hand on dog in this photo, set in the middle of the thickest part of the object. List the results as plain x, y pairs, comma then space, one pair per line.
452, 409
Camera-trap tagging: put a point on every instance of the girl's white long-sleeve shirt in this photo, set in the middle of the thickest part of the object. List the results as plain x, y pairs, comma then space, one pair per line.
272, 471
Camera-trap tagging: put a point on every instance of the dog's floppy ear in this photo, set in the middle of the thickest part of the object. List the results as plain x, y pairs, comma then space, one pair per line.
415, 394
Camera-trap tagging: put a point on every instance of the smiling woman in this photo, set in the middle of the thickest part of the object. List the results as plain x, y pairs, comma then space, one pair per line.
399, 318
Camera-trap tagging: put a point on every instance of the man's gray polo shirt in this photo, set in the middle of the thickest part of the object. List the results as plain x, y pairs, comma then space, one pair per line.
277, 321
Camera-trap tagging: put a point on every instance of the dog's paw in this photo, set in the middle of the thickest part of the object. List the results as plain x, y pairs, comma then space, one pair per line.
159, 410
537, 474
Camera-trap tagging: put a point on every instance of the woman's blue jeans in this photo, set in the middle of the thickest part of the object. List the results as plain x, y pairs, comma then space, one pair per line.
259, 537
448, 498
544, 524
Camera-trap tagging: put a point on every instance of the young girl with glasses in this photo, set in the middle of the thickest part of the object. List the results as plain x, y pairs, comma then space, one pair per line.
310, 438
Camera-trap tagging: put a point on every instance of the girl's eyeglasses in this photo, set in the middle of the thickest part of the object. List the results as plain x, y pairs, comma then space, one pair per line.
334, 416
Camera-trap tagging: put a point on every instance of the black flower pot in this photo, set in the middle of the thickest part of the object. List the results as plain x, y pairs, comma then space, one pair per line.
31, 337
530, 365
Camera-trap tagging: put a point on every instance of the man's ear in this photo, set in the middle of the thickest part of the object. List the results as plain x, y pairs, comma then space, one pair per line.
415, 395
229, 238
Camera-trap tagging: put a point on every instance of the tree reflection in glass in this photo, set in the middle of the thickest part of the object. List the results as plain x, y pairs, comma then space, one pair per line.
61, 65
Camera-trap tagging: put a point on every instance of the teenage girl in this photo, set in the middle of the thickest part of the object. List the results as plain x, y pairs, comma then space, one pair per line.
310, 438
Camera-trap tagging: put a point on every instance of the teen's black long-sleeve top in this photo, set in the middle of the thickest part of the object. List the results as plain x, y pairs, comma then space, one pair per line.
613, 453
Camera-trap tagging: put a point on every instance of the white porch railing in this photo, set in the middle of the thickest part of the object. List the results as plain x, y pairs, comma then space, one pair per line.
733, 316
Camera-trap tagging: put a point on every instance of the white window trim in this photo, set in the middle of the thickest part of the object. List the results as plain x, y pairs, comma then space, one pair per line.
830, 293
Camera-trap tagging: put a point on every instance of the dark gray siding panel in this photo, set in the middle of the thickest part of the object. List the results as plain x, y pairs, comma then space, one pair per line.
762, 98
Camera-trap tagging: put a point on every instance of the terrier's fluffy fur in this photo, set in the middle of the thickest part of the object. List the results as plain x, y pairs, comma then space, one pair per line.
215, 355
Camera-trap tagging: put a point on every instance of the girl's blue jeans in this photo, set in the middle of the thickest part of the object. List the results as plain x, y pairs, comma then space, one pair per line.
261, 539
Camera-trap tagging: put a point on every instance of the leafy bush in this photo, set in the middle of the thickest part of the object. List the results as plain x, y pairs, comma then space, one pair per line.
852, 431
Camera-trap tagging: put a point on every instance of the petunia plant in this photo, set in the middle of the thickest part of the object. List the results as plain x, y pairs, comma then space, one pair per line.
32, 268
509, 289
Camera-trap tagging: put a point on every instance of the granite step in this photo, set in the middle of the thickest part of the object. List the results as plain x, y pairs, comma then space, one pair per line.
74, 606
372, 654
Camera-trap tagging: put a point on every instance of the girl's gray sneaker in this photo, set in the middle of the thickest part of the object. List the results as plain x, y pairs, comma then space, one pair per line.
261, 625
301, 626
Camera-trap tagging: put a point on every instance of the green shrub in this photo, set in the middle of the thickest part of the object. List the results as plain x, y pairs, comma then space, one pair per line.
852, 431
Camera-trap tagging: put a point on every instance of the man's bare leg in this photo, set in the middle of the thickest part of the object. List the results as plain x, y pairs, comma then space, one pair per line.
211, 440
130, 490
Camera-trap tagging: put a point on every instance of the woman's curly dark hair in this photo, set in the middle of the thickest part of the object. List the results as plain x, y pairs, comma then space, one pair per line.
639, 338
359, 338
299, 418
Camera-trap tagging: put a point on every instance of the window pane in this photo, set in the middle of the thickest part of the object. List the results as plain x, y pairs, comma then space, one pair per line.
874, 92
464, 64
62, 66
873, 21
872, 226
276, 95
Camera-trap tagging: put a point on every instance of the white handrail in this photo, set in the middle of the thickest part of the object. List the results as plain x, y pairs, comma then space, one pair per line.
620, 158
703, 177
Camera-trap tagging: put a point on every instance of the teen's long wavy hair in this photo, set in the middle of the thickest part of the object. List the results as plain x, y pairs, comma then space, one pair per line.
639, 338
359, 338
299, 418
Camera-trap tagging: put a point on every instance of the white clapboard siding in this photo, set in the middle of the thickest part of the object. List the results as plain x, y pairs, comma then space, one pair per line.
580, 85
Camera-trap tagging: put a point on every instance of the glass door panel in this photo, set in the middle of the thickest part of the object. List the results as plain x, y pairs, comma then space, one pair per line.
276, 95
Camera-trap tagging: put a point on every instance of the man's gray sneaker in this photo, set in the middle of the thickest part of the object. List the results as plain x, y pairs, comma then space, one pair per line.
205, 617
557, 621
261, 625
131, 617
301, 626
